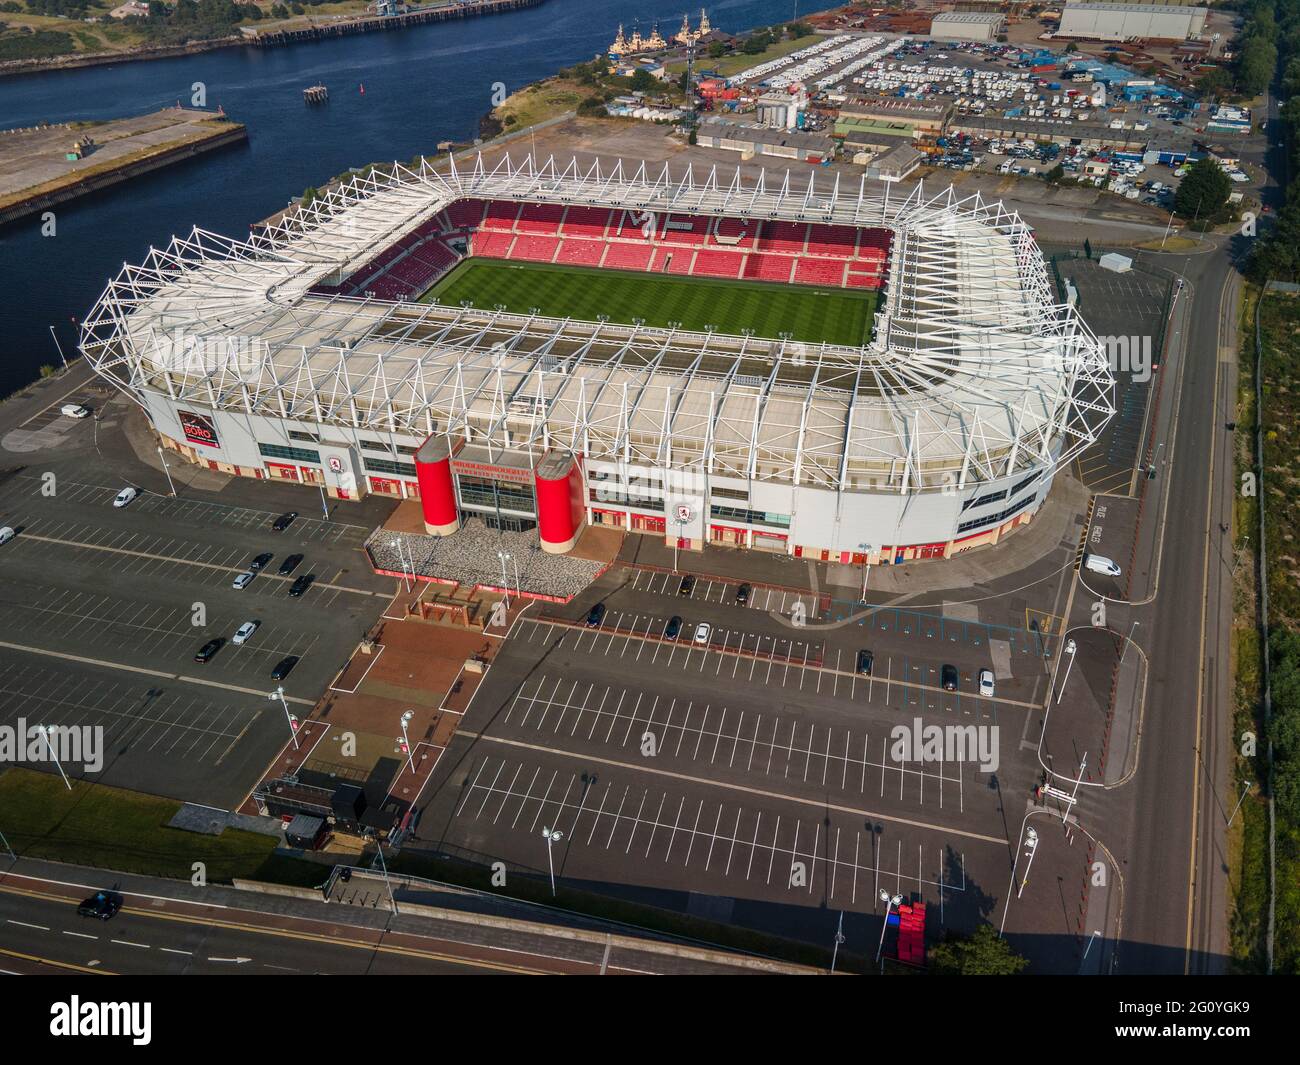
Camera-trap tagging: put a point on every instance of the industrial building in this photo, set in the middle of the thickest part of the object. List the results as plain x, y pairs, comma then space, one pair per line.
261, 357
1118, 22
717, 132
967, 26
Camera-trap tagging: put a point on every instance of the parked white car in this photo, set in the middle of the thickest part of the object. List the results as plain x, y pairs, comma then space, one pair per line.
986, 683
702, 632
125, 496
243, 580
244, 632
6, 534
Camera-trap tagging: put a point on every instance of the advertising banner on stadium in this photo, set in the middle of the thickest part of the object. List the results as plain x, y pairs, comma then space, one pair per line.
198, 429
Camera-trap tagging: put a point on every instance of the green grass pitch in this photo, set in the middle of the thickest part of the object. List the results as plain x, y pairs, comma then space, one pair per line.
812, 315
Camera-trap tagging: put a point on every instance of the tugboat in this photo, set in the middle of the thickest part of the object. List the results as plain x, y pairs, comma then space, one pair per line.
316, 94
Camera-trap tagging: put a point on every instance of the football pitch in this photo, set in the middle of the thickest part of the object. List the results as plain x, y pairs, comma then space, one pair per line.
808, 314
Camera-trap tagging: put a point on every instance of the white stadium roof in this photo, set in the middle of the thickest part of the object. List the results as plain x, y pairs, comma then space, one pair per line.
973, 371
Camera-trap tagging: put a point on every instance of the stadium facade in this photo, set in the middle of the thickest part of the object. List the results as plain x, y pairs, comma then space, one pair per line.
304, 354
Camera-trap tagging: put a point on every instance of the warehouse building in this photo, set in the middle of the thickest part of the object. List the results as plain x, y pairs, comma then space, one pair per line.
967, 26
757, 140
1118, 22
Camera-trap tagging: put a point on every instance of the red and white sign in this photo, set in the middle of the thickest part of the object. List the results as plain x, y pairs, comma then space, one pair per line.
198, 428
335, 464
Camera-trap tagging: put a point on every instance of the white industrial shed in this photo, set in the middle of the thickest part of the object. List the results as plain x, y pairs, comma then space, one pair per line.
967, 26
1109, 21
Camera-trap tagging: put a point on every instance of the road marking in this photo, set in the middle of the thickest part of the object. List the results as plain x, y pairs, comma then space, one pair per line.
759, 792
58, 964
24, 924
147, 672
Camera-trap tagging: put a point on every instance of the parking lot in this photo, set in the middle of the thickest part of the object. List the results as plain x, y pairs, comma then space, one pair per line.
114, 604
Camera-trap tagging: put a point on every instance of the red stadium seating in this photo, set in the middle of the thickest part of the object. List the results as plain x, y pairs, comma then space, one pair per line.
628, 225
581, 252
465, 213
586, 222
832, 241
534, 248
783, 236
862, 281
759, 267
540, 218
820, 272
492, 245
501, 215
684, 229
736, 232
710, 263
674, 261
629, 256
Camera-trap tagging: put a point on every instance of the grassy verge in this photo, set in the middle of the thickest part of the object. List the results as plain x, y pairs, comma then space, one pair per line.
1248, 840
730, 65
126, 831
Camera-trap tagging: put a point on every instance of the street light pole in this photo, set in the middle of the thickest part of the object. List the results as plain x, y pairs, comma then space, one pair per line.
59, 346
406, 739
839, 938
7, 847
44, 732
1070, 648
401, 558
1031, 845
293, 721
1131, 631
505, 579
889, 900
167, 471
551, 836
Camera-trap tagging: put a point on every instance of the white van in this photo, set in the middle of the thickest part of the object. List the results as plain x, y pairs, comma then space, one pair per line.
1101, 564
74, 410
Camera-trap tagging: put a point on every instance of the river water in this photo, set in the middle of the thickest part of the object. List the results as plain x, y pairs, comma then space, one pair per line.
422, 85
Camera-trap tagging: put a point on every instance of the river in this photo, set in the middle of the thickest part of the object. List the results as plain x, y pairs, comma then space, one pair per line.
422, 85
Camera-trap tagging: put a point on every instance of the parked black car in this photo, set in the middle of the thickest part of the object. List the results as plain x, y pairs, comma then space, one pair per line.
865, 661
284, 667
687, 586
948, 678
289, 565
260, 562
209, 649
742, 594
284, 521
673, 629
596, 615
300, 585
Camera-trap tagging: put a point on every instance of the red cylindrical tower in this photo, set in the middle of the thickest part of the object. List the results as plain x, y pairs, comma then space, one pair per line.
437, 490
560, 504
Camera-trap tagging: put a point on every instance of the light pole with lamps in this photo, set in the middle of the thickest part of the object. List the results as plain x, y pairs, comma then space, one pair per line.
59, 346
293, 721
1070, 649
1031, 847
401, 558
505, 579
44, 732
551, 836
167, 471
889, 900
406, 739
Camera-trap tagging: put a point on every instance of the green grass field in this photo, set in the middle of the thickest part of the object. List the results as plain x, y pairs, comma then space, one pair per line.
813, 315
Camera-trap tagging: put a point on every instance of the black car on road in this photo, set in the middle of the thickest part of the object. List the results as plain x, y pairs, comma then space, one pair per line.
284, 521
300, 585
290, 564
209, 649
284, 667
101, 905
261, 561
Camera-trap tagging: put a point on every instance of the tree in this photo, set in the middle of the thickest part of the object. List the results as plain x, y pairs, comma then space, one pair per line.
1054, 176
1204, 191
982, 954
717, 50
643, 80
1214, 82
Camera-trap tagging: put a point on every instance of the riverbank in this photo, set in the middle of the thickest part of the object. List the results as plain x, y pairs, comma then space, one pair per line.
294, 31
35, 173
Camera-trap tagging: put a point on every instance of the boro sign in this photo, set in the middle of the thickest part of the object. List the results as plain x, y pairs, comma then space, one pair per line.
198, 429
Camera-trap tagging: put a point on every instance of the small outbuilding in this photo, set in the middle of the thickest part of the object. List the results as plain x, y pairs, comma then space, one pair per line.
1116, 263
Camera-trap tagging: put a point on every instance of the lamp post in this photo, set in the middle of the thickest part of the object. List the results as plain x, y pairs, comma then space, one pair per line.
401, 558
44, 732
1070, 648
293, 721
551, 836
889, 900
59, 346
866, 569
505, 579
1031, 848
839, 938
167, 471
406, 739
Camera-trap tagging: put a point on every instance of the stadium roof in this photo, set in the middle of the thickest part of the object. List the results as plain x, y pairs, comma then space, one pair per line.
973, 371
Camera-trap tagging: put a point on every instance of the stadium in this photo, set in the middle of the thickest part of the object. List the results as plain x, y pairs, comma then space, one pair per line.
778, 362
